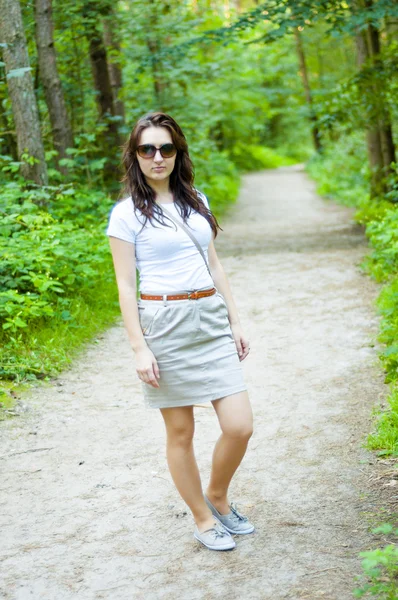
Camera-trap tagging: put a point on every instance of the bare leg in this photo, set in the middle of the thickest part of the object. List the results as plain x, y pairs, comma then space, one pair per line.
180, 427
236, 421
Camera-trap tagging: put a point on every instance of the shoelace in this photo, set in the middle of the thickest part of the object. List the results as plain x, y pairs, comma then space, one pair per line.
217, 531
236, 514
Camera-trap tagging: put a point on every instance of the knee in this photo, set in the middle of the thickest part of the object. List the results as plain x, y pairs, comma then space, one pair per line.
180, 436
239, 431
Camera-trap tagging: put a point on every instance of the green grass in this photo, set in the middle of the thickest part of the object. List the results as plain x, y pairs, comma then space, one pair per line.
255, 158
47, 347
385, 436
341, 172
380, 567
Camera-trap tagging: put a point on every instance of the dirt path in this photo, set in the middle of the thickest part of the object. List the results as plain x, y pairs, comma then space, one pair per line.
88, 509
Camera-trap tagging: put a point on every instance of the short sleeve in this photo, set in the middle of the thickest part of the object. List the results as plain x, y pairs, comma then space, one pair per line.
121, 224
204, 199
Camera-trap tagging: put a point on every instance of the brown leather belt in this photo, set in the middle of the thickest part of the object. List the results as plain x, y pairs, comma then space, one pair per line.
189, 296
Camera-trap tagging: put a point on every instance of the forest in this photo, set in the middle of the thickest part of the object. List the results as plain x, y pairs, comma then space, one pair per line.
254, 86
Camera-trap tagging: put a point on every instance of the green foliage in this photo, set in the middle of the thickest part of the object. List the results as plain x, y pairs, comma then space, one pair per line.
219, 180
341, 171
388, 306
380, 569
54, 259
382, 263
283, 15
82, 162
385, 437
49, 344
254, 158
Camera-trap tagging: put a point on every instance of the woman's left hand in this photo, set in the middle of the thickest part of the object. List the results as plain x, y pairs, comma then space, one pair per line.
241, 341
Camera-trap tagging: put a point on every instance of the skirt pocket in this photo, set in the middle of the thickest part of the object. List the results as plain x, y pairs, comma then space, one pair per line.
224, 308
147, 316
221, 297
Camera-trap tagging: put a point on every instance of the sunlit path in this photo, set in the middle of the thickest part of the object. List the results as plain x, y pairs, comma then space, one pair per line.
88, 509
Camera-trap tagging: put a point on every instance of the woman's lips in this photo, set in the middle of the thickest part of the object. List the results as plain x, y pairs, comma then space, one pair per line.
158, 168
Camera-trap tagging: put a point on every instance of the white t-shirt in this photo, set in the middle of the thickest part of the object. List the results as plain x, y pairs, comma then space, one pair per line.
167, 260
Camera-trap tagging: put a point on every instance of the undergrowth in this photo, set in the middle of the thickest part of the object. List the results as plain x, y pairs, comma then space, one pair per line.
254, 158
341, 172
380, 568
57, 287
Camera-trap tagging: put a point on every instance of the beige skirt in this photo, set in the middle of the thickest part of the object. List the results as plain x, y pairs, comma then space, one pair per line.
195, 351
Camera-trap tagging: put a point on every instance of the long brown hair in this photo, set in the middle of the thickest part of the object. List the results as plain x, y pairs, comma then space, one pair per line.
181, 179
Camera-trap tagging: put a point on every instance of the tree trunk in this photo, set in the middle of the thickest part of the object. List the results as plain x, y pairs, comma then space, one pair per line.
373, 139
384, 119
158, 83
8, 144
61, 129
20, 86
92, 13
154, 44
379, 136
391, 30
307, 89
99, 65
77, 112
115, 72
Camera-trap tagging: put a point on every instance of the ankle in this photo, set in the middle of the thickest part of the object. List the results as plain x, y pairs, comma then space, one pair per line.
204, 521
216, 497
220, 502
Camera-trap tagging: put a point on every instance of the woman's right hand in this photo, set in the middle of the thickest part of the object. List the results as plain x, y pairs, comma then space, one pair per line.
147, 367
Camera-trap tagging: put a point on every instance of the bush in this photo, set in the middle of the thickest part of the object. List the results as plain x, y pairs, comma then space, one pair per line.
380, 569
54, 259
385, 438
44, 258
254, 158
382, 231
219, 179
341, 171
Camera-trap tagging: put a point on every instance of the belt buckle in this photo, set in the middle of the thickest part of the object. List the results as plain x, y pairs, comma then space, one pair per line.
193, 295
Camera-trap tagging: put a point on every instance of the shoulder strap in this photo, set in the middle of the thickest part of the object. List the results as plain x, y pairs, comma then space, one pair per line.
190, 234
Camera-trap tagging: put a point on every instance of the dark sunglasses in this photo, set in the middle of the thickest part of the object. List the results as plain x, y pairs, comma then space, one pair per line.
149, 151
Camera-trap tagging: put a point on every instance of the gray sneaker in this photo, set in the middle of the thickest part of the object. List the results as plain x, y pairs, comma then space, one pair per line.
215, 538
233, 522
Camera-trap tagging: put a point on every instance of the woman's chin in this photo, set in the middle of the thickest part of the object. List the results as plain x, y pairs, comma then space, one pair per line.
158, 175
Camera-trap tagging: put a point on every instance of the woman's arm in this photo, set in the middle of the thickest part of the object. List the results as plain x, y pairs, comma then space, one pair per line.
123, 254
222, 284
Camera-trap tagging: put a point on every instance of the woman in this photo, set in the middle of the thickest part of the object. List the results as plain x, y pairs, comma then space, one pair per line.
184, 330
